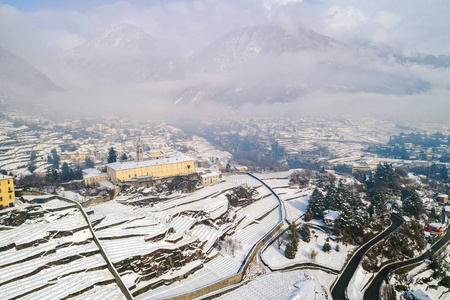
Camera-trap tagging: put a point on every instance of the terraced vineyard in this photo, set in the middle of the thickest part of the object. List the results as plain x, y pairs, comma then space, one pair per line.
48, 253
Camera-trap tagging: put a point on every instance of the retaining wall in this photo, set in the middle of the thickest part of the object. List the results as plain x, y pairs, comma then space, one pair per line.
110, 265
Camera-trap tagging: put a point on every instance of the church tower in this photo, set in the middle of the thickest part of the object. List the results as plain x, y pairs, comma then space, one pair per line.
139, 151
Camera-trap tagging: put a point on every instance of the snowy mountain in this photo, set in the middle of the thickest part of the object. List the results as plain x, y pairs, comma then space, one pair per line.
125, 52
263, 63
269, 64
250, 42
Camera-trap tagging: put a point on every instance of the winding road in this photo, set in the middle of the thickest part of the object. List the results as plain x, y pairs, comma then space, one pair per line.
373, 291
338, 292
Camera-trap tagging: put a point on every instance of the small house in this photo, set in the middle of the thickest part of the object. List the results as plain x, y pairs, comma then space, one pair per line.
330, 217
442, 198
434, 228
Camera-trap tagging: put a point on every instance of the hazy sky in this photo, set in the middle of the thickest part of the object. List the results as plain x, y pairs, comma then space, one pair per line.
43, 31
412, 25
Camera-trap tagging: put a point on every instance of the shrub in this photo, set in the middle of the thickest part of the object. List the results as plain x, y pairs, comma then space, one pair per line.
290, 251
326, 247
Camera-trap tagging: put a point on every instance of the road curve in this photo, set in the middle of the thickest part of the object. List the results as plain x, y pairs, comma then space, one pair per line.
338, 291
373, 291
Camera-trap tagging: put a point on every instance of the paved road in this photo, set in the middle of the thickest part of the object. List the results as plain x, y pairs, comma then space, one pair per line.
373, 291
338, 292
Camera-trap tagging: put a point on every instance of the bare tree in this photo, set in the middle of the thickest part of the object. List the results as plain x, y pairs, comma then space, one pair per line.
313, 255
279, 241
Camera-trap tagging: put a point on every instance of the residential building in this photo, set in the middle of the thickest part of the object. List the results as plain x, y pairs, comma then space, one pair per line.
442, 198
434, 228
330, 217
7, 196
93, 176
210, 178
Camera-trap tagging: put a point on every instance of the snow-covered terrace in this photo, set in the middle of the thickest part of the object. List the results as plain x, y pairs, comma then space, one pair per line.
53, 266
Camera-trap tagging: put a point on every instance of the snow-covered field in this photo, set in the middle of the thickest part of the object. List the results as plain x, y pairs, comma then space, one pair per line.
302, 285
128, 231
51, 256
356, 286
295, 199
275, 258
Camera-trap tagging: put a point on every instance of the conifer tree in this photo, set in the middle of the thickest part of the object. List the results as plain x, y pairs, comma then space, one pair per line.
326, 247
412, 204
112, 156
316, 204
330, 197
380, 202
306, 234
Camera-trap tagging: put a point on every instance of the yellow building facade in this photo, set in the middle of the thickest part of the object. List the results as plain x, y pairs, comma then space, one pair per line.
156, 168
7, 196
93, 177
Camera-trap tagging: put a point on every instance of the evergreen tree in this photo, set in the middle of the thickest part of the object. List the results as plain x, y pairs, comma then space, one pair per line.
31, 166
412, 204
33, 155
380, 202
326, 247
112, 156
293, 235
342, 196
89, 163
384, 175
433, 215
330, 196
443, 173
316, 204
290, 251
55, 159
66, 172
124, 157
306, 233
78, 174
353, 214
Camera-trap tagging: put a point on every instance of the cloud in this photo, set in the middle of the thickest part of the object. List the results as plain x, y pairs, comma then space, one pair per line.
344, 21
43, 36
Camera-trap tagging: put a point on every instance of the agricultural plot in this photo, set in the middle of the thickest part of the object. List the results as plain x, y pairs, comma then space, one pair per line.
163, 248
276, 259
48, 253
285, 285
296, 202
295, 199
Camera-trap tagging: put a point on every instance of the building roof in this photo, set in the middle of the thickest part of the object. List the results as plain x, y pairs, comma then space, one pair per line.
88, 173
332, 215
421, 295
5, 177
147, 163
435, 225
210, 174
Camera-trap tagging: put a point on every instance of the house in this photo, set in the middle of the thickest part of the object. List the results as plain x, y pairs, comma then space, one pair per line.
93, 176
7, 196
330, 217
417, 295
434, 228
442, 198
210, 178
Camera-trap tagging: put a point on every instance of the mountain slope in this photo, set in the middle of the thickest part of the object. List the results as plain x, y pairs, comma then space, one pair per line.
125, 52
250, 42
268, 64
16, 72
